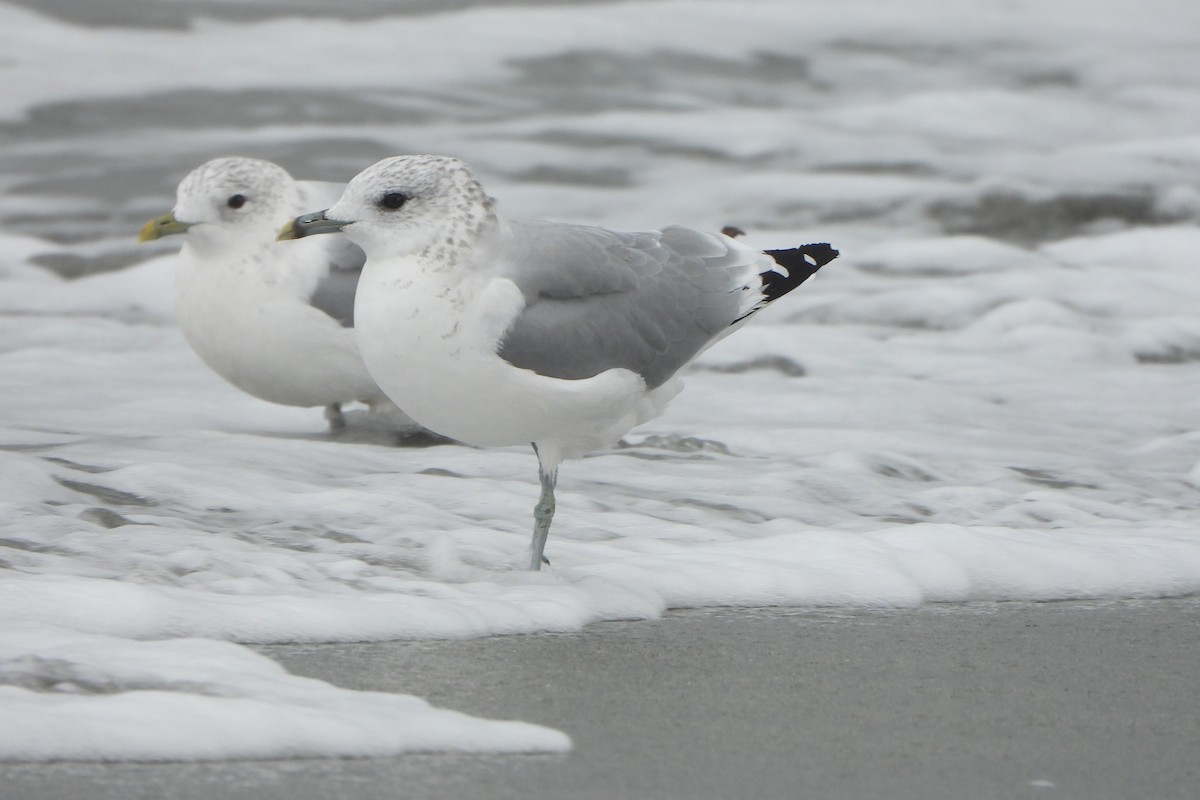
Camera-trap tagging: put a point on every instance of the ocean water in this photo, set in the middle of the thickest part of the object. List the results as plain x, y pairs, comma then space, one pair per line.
990, 396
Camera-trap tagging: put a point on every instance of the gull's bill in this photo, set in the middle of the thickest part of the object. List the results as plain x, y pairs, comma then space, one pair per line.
308, 225
160, 226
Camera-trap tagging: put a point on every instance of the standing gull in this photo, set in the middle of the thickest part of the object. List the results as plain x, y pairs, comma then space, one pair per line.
276, 322
523, 331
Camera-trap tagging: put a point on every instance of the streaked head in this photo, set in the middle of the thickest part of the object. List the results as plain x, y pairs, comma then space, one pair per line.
405, 205
235, 195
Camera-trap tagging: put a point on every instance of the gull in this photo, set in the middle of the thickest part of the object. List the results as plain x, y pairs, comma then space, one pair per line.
532, 332
276, 322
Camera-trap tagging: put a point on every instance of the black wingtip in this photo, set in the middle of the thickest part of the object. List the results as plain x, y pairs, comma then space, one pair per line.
801, 264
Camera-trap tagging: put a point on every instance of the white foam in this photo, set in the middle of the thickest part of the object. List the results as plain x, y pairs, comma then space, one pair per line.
70, 695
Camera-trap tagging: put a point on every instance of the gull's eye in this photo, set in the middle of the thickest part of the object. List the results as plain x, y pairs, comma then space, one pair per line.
237, 201
393, 200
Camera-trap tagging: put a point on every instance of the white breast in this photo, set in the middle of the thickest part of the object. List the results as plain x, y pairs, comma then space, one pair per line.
264, 337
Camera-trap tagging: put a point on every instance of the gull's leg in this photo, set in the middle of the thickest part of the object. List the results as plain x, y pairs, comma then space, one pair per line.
333, 413
543, 513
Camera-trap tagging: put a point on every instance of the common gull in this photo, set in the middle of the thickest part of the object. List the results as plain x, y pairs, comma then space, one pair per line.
276, 322
498, 331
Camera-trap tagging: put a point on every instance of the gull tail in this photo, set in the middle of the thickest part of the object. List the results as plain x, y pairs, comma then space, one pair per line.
800, 264
794, 267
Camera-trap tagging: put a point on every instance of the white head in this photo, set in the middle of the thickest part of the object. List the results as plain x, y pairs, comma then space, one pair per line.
407, 205
226, 199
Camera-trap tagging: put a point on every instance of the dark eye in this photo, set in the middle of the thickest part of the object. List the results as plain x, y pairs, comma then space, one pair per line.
393, 200
237, 201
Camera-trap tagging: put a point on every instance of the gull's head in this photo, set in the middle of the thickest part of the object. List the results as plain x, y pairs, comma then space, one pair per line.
406, 205
228, 197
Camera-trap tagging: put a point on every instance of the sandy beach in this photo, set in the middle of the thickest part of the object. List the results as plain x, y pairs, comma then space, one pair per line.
1054, 701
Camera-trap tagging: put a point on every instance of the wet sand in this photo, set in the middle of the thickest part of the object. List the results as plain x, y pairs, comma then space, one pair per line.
1062, 701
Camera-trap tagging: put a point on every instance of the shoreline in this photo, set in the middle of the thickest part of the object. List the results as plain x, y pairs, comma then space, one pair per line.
1090, 699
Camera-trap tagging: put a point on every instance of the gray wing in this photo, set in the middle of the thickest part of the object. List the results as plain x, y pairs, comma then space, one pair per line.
335, 293
598, 299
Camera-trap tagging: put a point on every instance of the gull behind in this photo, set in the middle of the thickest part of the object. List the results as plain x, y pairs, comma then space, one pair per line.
276, 322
